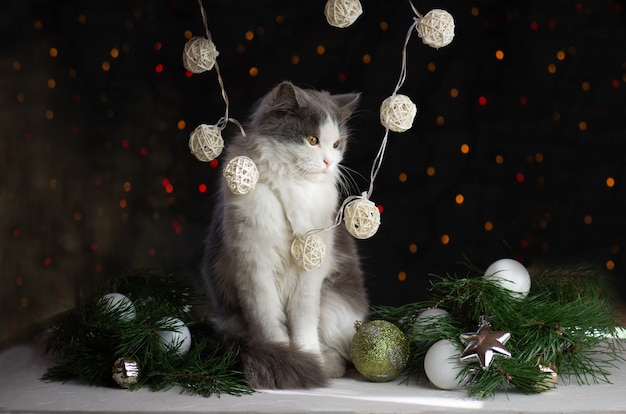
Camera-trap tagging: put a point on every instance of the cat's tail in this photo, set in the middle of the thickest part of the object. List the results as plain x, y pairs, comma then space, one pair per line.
267, 365
274, 365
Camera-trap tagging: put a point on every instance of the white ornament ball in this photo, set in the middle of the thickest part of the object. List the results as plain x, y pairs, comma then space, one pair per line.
308, 251
342, 13
362, 218
119, 303
241, 175
436, 28
397, 113
199, 55
443, 366
511, 275
206, 143
425, 321
178, 338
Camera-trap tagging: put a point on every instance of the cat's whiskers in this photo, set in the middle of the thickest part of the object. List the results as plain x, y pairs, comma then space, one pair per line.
302, 169
347, 183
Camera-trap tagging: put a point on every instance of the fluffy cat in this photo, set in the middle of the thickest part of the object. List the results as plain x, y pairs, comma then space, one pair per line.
295, 327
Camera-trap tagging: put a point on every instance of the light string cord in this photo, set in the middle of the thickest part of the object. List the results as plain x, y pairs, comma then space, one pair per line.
222, 122
338, 217
378, 160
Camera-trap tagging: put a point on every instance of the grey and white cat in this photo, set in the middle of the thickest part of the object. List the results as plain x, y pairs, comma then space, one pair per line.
295, 327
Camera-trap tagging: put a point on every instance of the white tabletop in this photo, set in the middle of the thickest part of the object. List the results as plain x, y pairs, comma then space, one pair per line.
21, 391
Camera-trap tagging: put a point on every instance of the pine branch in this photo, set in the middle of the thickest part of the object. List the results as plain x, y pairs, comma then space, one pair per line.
89, 338
565, 322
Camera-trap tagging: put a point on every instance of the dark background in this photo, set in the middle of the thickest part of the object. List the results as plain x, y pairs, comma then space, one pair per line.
96, 109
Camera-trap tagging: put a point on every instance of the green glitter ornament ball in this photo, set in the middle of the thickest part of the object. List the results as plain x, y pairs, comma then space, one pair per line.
379, 350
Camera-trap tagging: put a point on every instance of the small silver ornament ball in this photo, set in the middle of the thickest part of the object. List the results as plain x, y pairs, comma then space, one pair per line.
125, 372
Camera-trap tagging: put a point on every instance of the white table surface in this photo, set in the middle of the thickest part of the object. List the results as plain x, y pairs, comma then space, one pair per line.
21, 391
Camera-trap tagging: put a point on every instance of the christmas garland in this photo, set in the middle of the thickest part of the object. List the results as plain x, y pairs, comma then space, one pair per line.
564, 326
136, 333
480, 331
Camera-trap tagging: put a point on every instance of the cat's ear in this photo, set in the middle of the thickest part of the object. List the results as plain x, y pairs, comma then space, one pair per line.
285, 98
346, 103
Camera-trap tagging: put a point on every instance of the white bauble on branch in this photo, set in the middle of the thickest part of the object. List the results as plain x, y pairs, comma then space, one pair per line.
362, 218
206, 143
397, 113
511, 275
436, 28
241, 175
178, 338
119, 303
308, 251
426, 320
199, 55
443, 367
342, 13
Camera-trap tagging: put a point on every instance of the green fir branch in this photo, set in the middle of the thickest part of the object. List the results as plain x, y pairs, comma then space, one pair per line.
565, 322
88, 339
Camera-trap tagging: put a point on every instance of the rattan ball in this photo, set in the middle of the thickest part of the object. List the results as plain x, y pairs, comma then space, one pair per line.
436, 28
342, 13
308, 251
397, 113
362, 218
199, 55
241, 175
206, 143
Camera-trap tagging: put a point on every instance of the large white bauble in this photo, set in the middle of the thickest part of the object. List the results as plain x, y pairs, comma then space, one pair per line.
119, 303
425, 321
179, 337
511, 275
443, 366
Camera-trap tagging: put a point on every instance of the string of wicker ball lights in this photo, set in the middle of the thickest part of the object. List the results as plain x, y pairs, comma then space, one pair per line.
359, 214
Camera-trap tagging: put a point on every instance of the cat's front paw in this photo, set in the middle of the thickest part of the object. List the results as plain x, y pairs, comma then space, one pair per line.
334, 364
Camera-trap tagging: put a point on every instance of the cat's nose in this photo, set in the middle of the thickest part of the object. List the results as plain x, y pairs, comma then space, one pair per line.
327, 163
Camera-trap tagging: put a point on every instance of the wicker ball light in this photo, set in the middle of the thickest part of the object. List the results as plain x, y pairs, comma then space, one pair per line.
206, 143
241, 175
199, 55
362, 218
342, 13
397, 113
436, 28
308, 251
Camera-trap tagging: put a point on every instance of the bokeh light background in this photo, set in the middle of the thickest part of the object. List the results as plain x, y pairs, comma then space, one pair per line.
518, 150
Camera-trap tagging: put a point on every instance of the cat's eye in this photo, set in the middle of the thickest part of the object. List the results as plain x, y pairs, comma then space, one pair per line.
312, 140
336, 144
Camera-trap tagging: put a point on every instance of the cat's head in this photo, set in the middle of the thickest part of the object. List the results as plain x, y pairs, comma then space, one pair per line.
302, 133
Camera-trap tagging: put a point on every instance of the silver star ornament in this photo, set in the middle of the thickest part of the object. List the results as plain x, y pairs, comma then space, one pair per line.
484, 344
